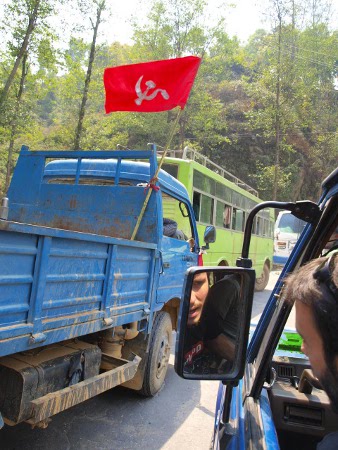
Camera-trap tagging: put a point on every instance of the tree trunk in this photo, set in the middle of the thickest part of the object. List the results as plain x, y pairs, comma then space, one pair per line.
23, 49
14, 122
278, 106
82, 111
299, 184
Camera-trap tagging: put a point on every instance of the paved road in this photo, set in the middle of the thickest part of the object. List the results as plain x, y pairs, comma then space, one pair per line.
180, 417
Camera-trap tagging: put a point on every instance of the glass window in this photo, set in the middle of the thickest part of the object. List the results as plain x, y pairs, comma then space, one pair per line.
198, 180
223, 215
265, 227
290, 224
237, 219
204, 183
243, 220
175, 224
207, 210
254, 225
249, 204
209, 185
172, 169
238, 200
196, 205
223, 192
220, 191
272, 227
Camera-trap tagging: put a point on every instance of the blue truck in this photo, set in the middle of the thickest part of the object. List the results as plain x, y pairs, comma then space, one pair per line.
84, 305
268, 397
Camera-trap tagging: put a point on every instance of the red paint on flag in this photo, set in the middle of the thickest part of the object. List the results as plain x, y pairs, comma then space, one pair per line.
150, 87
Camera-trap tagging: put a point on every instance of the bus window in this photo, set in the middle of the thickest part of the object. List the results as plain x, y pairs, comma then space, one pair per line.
243, 220
237, 219
259, 226
226, 216
265, 227
223, 215
254, 225
196, 205
207, 210
172, 169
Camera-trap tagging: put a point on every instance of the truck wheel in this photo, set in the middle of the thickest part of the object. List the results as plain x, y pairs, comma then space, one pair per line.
158, 357
263, 280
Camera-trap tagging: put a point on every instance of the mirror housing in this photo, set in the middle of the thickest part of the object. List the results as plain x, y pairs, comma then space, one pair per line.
209, 236
212, 339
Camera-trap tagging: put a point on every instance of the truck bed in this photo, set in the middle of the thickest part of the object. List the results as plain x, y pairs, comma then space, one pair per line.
57, 284
67, 264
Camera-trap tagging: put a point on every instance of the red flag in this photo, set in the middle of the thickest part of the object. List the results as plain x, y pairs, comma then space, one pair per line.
150, 87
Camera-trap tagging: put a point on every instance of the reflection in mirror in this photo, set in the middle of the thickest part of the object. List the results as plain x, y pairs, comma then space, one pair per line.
213, 326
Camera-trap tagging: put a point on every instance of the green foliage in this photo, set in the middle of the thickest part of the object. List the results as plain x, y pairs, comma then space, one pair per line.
281, 84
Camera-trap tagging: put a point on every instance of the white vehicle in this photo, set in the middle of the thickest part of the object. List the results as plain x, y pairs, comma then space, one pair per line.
287, 231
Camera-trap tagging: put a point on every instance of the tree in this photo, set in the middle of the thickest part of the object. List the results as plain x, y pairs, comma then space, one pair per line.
100, 6
27, 16
14, 120
176, 28
291, 86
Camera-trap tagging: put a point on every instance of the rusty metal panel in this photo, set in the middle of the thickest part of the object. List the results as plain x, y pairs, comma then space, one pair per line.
56, 402
27, 376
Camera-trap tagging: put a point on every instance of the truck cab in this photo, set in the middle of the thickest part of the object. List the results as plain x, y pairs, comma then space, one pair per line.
266, 398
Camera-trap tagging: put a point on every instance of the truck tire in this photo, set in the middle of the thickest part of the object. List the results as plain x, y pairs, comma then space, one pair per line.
158, 356
263, 280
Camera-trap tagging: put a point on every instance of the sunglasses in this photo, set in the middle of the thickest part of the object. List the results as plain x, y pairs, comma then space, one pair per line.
323, 275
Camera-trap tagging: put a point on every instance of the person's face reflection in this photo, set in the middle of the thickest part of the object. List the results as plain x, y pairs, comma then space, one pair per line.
199, 292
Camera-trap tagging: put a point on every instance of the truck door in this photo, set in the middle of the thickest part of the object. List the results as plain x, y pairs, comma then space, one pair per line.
177, 250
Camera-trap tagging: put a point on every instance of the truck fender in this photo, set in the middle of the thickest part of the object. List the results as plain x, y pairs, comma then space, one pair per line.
173, 307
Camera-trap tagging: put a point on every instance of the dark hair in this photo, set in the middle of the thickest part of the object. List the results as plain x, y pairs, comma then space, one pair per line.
307, 286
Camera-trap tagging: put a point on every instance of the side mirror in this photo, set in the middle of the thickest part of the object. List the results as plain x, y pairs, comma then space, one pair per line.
209, 236
214, 323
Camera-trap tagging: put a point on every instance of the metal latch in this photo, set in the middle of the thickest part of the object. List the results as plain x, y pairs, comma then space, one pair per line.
37, 338
107, 321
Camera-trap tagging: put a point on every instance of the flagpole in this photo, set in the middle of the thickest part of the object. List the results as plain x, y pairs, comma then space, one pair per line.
154, 179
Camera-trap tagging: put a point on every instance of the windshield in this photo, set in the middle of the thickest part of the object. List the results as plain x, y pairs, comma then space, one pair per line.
290, 224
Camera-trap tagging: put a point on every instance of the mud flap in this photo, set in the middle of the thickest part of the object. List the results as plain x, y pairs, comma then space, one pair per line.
58, 401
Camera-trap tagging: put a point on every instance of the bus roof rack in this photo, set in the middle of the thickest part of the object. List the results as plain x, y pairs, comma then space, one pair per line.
193, 155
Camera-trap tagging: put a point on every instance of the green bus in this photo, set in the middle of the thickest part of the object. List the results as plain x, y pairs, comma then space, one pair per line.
221, 199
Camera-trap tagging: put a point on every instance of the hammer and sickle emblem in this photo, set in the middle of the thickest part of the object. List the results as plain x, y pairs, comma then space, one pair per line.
145, 95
